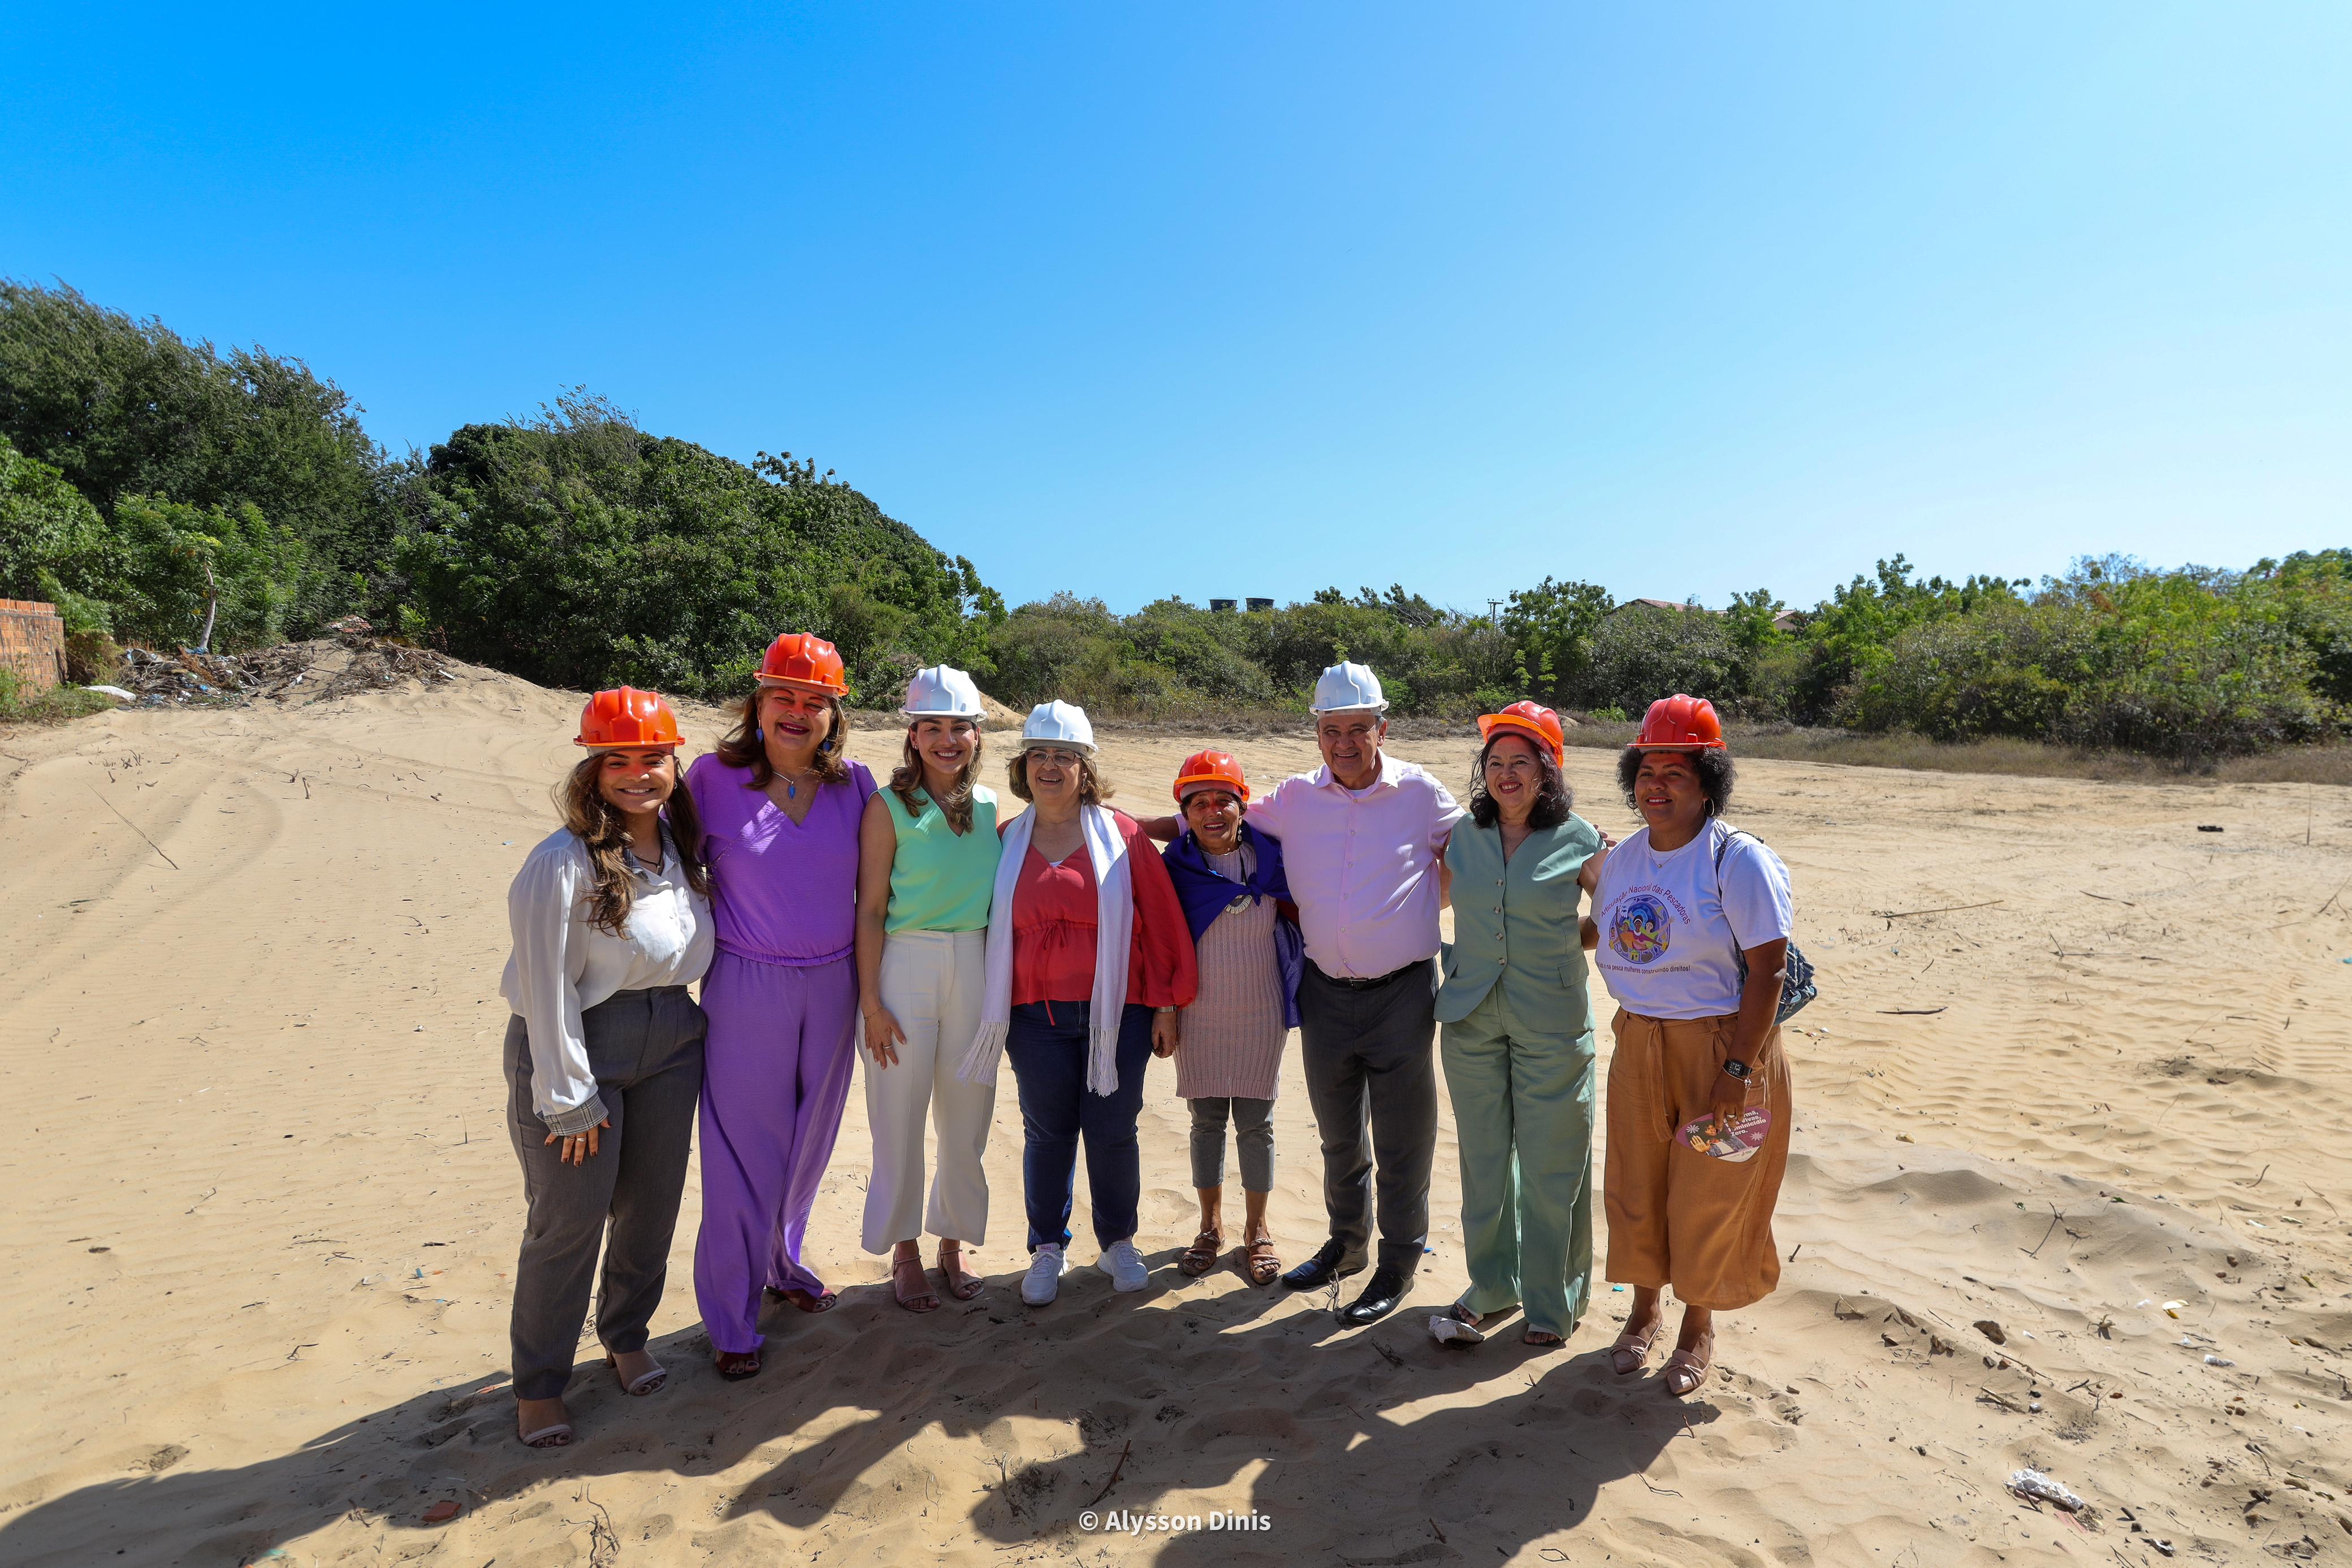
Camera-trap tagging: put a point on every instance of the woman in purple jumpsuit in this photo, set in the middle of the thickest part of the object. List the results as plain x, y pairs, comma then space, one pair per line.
781, 807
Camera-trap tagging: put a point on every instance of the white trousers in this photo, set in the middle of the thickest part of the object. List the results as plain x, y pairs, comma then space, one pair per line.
932, 983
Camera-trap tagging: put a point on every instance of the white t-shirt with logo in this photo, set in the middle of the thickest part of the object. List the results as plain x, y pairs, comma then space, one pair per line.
1670, 928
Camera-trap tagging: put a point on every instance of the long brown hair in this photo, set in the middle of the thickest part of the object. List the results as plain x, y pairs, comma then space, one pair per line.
907, 783
598, 824
745, 747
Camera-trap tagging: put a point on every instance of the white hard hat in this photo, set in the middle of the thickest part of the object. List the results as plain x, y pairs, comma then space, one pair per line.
1344, 688
1058, 723
942, 691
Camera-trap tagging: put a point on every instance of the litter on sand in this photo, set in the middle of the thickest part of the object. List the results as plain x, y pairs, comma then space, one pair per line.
1447, 1329
2219, 1361
2038, 1488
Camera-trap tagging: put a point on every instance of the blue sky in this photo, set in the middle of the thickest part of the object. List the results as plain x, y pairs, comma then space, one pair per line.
1229, 299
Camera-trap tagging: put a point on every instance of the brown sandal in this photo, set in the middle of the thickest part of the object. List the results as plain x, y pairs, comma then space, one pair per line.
735, 1365
806, 1301
1202, 1256
918, 1296
1259, 1262
962, 1284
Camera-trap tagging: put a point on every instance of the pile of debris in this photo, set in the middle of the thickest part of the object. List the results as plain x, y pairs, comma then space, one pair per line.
353, 660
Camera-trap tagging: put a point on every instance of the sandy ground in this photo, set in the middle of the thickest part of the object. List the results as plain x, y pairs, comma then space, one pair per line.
262, 1215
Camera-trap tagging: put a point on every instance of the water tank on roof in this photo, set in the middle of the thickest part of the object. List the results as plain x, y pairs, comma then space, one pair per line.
1256, 604
1221, 606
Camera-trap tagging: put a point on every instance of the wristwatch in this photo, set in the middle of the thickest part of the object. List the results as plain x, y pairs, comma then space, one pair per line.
1737, 1068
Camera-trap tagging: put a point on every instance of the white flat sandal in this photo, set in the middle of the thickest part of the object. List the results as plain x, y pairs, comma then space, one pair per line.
643, 1383
555, 1436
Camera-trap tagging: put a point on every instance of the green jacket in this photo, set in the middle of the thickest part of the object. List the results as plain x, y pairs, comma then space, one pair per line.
1515, 924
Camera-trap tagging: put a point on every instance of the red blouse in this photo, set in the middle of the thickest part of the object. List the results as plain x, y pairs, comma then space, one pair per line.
1054, 928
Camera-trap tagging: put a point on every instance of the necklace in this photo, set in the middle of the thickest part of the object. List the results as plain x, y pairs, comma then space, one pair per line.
793, 790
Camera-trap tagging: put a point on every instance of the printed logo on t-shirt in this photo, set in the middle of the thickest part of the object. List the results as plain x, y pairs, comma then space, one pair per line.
1642, 927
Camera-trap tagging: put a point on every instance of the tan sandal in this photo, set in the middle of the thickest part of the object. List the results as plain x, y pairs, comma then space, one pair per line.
1259, 1262
1202, 1256
915, 1296
735, 1365
1687, 1373
1631, 1352
962, 1284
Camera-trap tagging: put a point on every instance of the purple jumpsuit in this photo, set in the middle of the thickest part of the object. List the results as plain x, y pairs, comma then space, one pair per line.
782, 997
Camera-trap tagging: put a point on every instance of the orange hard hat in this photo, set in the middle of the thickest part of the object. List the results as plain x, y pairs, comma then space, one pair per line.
804, 659
1531, 718
628, 717
1680, 723
1221, 769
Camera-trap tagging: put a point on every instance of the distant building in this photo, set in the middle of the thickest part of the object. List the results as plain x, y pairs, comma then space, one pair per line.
1659, 604
1221, 606
1258, 604
1790, 619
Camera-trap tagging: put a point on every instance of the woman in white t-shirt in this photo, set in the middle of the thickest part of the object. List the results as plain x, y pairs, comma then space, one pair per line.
1693, 919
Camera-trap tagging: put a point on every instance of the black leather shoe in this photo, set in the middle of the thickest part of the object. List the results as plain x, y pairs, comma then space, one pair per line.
1320, 1270
1380, 1298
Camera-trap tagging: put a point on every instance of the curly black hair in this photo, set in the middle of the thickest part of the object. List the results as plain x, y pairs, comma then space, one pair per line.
1715, 775
1554, 799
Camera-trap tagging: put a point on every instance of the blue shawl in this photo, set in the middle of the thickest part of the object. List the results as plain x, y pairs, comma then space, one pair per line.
1204, 893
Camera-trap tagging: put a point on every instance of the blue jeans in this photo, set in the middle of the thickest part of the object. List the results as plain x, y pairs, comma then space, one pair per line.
1047, 1043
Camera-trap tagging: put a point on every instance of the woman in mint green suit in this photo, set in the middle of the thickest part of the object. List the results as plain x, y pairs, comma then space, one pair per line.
1517, 1036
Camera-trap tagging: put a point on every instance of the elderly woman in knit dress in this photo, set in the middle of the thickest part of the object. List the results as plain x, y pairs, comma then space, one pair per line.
1228, 876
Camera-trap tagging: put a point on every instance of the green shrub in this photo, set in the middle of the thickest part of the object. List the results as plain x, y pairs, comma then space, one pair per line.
174, 559
577, 551
123, 407
1641, 653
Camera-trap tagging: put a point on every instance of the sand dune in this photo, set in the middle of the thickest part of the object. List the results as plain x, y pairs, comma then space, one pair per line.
263, 1214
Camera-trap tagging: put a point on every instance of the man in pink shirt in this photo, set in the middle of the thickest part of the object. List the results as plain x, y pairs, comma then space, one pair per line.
1363, 842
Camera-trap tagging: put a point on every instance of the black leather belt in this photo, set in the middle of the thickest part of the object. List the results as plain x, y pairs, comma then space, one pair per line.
1353, 984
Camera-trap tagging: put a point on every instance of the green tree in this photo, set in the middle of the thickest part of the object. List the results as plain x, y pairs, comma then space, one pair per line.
1550, 629
576, 549
54, 547
123, 407
182, 570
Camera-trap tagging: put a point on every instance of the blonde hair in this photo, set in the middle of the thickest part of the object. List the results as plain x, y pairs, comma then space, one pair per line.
597, 823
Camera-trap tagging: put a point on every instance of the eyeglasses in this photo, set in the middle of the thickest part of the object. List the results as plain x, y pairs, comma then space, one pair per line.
1057, 755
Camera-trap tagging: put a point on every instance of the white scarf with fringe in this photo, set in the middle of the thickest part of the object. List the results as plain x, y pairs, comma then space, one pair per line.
1114, 925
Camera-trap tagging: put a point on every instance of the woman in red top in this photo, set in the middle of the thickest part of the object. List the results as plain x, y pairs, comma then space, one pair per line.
1085, 927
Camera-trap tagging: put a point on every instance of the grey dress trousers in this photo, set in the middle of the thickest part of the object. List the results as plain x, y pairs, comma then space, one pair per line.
645, 1049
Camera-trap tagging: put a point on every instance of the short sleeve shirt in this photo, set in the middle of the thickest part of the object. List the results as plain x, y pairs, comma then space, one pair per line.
1673, 924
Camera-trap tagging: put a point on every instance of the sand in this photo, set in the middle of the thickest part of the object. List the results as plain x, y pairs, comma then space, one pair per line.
262, 1215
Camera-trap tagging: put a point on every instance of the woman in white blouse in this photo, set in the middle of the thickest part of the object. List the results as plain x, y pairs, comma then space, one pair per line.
611, 916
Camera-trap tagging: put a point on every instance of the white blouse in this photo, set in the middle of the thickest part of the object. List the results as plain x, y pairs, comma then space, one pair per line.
563, 966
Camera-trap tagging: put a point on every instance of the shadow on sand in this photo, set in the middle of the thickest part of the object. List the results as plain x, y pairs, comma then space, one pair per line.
1372, 1446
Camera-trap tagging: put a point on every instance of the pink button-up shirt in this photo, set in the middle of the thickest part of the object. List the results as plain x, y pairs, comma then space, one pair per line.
1363, 868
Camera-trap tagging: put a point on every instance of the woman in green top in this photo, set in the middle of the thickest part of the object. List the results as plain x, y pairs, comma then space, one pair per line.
1518, 1037
926, 874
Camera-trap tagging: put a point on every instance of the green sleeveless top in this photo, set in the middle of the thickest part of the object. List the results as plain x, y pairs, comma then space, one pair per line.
941, 879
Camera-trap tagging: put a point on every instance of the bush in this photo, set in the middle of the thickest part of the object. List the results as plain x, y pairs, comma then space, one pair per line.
129, 408
53, 544
577, 551
1641, 653
175, 560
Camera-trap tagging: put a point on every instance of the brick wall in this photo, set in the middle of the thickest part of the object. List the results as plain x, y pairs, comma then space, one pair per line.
32, 643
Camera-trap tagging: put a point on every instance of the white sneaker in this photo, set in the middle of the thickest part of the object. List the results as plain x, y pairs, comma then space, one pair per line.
1125, 1266
1043, 1282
